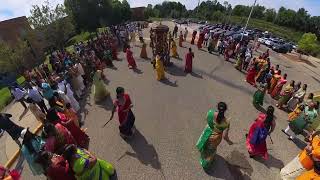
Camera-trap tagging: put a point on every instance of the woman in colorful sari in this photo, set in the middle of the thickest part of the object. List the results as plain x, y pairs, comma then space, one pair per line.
200, 40
126, 117
188, 65
54, 117
174, 49
312, 114
297, 122
31, 147
86, 166
252, 73
194, 34
180, 39
262, 127
130, 59
297, 98
274, 80
258, 96
55, 166
286, 95
57, 136
100, 92
276, 91
211, 137
143, 53
159, 68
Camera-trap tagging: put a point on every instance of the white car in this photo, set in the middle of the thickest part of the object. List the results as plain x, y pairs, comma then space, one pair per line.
262, 40
269, 43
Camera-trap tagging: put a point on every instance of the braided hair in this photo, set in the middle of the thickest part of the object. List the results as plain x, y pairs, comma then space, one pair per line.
269, 117
222, 107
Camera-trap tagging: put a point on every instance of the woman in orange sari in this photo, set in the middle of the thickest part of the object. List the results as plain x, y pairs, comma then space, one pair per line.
275, 78
180, 39
276, 91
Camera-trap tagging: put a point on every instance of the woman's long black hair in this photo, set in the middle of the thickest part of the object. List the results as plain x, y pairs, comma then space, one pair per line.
222, 107
27, 141
269, 118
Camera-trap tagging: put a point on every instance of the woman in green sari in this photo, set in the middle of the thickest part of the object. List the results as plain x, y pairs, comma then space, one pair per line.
86, 166
212, 135
100, 91
258, 96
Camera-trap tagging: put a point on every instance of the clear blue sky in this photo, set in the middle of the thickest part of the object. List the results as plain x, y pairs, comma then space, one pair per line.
14, 8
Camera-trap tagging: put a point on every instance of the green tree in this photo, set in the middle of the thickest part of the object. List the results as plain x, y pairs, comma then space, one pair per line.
54, 24
270, 15
13, 59
308, 44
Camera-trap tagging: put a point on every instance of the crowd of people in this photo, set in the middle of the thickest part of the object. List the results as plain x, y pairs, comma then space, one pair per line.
59, 151
304, 113
53, 96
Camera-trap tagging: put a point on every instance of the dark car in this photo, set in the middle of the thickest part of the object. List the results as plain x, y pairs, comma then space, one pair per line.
282, 48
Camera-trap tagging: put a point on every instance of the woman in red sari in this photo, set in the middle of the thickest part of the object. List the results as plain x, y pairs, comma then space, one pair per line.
55, 166
54, 117
189, 57
126, 117
252, 73
259, 131
130, 59
200, 40
57, 136
278, 88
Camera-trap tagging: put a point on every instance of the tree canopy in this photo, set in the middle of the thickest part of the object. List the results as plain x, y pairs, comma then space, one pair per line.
308, 44
89, 15
52, 23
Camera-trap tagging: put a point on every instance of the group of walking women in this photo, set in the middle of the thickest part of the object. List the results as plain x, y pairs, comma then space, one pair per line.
60, 152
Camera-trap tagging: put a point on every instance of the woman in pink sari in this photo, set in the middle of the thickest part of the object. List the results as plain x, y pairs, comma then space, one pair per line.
189, 57
57, 136
80, 136
276, 91
261, 128
130, 59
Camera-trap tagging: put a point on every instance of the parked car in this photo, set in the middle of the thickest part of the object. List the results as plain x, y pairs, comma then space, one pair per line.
282, 48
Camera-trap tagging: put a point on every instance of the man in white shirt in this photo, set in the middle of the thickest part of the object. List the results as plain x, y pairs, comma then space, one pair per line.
35, 95
19, 94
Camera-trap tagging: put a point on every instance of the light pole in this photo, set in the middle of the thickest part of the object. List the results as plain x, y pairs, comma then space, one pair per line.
254, 4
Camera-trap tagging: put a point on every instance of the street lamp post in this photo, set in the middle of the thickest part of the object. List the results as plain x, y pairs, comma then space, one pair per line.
254, 4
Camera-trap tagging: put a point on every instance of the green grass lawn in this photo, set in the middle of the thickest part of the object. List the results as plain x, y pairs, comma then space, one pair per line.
5, 95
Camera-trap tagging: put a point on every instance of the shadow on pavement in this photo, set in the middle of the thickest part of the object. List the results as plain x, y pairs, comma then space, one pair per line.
143, 151
169, 83
196, 75
138, 71
106, 104
299, 143
175, 71
236, 162
271, 162
226, 82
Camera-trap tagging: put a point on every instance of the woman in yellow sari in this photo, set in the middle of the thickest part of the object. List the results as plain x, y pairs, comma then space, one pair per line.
100, 90
159, 69
212, 135
174, 49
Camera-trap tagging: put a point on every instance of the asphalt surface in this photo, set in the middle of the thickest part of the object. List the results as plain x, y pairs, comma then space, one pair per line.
170, 118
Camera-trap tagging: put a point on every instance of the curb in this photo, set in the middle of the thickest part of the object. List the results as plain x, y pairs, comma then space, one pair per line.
17, 153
